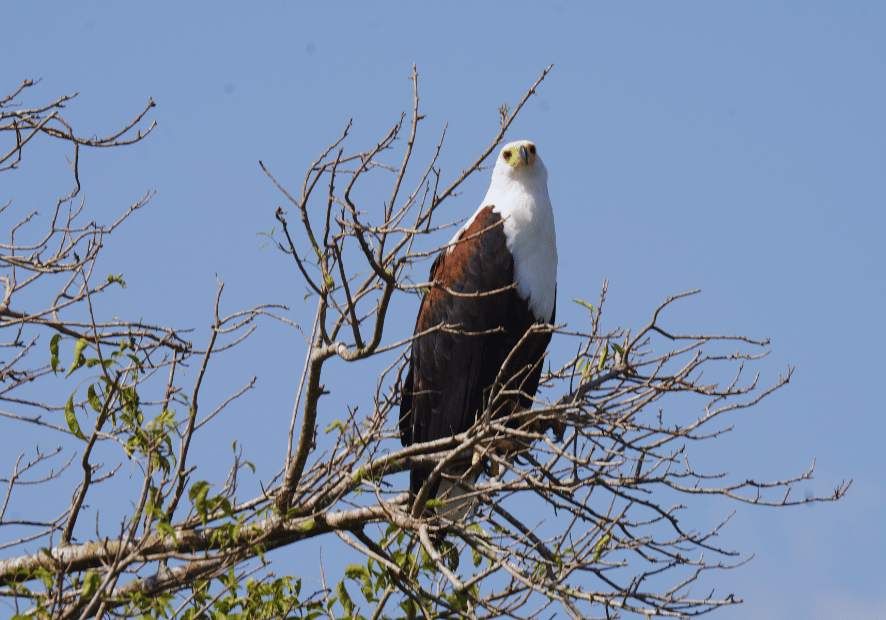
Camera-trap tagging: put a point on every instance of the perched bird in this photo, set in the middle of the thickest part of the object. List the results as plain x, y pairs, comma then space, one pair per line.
496, 279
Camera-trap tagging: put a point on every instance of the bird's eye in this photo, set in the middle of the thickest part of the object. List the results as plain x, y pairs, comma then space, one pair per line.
506, 155
532, 149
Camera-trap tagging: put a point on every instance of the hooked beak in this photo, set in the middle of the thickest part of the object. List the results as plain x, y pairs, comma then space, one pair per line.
524, 154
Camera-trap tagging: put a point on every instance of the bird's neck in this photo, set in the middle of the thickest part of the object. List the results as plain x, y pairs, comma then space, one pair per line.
519, 200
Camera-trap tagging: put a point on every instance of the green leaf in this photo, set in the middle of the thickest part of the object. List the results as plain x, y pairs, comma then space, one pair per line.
94, 402
164, 528
601, 547
336, 424
345, 598
358, 572
71, 419
427, 561
259, 550
477, 557
197, 495
79, 346
225, 507
391, 529
586, 305
604, 355
53, 349
410, 608
79, 360
308, 525
91, 582
435, 503
117, 279
450, 553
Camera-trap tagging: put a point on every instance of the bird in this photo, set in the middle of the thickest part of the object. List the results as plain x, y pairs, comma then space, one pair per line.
493, 282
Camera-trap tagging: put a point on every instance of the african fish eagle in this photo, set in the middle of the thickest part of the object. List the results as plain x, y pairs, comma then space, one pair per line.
509, 246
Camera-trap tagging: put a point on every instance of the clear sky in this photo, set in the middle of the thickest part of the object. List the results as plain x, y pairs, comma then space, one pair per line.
736, 147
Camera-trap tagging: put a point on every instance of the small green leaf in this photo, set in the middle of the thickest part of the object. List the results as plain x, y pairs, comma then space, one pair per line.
308, 525
71, 419
391, 529
358, 572
225, 506
94, 402
91, 582
53, 349
260, 552
604, 355
336, 424
164, 528
586, 305
117, 279
435, 503
601, 547
197, 495
345, 598
79, 360
360, 475
410, 608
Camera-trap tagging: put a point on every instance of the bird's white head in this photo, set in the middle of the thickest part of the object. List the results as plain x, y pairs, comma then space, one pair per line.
518, 168
519, 161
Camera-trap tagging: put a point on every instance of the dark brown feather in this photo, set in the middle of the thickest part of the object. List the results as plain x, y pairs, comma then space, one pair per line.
443, 391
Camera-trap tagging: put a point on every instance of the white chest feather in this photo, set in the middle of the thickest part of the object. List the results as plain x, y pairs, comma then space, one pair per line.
531, 238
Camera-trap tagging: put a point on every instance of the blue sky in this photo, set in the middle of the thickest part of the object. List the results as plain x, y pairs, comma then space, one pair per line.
735, 147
